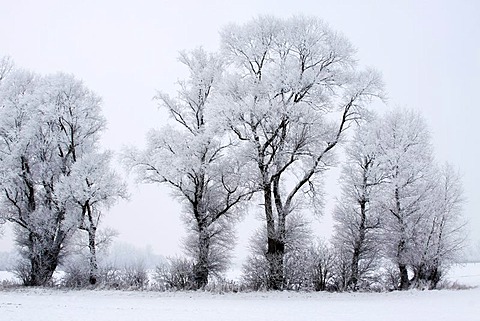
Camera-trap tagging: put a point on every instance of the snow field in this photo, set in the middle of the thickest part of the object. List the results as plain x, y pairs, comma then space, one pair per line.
44, 304
51, 304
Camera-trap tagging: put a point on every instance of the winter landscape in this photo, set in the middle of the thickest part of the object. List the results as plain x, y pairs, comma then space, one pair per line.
316, 162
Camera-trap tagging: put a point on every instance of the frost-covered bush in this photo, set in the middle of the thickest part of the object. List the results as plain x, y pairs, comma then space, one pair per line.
223, 285
76, 274
134, 276
255, 273
122, 267
175, 274
308, 264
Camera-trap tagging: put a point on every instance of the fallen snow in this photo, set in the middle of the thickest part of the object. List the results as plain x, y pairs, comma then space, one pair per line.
466, 274
49, 304
55, 304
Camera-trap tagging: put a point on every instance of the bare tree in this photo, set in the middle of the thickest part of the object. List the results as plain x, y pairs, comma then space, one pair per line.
196, 160
288, 79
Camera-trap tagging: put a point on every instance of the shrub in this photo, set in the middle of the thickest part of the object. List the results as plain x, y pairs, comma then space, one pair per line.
175, 274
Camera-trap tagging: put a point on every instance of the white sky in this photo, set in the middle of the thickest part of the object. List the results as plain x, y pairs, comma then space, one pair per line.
428, 52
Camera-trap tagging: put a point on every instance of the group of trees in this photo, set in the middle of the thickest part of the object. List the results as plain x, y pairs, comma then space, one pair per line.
257, 122
265, 127
397, 205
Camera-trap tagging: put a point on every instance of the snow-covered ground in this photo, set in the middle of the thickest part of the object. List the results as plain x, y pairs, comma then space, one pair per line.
466, 274
54, 304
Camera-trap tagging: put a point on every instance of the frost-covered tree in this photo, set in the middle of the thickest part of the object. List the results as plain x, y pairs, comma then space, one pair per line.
47, 125
357, 213
397, 205
403, 141
195, 159
444, 234
291, 92
91, 188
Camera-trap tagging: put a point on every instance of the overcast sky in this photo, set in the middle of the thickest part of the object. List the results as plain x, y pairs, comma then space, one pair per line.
428, 52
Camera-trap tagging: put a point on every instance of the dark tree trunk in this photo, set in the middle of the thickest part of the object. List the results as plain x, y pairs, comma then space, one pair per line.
275, 256
320, 278
275, 242
353, 281
92, 243
427, 276
201, 268
92, 279
43, 259
402, 267
434, 277
357, 250
404, 280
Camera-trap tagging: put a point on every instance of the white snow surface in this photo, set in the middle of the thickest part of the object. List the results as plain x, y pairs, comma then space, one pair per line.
58, 304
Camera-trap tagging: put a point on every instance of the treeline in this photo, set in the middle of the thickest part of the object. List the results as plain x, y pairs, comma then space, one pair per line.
258, 122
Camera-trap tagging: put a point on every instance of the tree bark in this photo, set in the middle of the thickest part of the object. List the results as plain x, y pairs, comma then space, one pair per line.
275, 242
92, 279
275, 256
43, 261
404, 280
201, 268
353, 281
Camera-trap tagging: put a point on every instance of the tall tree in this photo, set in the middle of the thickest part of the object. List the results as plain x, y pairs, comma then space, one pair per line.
47, 124
289, 80
443, 234
404, 144
357, 215
195, 159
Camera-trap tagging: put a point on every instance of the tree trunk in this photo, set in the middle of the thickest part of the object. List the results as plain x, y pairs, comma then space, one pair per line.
275, 256
352, 282
43, 259
402, 267
92, 279
357, 250
404, 280
434, 278
275, 243
427, 276
201, 268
